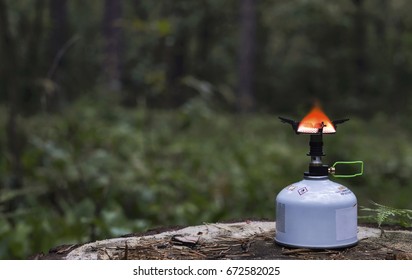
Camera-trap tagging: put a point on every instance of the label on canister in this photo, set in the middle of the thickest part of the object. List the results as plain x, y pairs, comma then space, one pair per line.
280, 217
346, 223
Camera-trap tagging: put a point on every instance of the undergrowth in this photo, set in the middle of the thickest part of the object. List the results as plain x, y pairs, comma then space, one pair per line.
382, 214
95, 171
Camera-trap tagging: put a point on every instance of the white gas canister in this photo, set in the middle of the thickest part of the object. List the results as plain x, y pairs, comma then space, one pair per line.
316, 213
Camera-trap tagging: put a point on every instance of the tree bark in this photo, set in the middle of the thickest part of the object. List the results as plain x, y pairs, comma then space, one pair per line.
112, 33
246, 98
244, 240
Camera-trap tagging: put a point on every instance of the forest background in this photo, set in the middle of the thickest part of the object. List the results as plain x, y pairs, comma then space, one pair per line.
120, 116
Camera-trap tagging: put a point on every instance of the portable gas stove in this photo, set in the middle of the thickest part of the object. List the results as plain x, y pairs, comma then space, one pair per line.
317, 212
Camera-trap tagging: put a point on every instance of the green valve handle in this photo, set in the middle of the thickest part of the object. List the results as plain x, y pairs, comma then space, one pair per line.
332, 169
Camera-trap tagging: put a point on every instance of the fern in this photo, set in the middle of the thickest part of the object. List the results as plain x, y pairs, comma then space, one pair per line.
386, 214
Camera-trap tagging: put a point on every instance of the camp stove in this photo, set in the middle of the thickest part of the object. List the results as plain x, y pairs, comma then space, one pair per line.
317, 212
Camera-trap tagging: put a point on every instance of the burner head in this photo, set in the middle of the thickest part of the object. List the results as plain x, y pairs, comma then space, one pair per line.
313, 128
315, 122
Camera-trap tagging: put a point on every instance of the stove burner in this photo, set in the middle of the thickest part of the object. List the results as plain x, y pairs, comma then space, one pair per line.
314, 130
316, 126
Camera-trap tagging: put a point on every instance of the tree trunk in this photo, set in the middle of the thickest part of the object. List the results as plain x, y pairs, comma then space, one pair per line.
33, 62
399, 99
246, 98
59, 27
58, 44
177, 64
10, 65
204, 40
360, 49
112, 33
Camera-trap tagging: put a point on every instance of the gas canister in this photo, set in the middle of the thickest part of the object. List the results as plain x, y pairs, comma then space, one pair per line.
317, 212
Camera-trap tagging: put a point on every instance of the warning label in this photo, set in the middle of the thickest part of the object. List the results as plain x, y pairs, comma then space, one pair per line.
291, 187
302, 191
343, 190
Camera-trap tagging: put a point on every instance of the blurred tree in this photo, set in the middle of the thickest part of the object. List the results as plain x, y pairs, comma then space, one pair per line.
58, 45
203, 37
360, 49
247, 46
399, 97
59, 25
9, 71
22, 32
113, 37
33, 27
177, 52
357, 50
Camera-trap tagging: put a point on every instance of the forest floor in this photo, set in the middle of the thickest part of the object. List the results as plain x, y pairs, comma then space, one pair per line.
248, 240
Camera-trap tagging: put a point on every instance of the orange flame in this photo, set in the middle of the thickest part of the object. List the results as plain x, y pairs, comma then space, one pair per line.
314, 121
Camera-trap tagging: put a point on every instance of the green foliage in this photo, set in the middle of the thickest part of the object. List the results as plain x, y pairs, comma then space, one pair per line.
96, 171
389, 215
